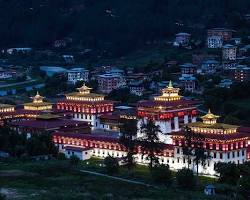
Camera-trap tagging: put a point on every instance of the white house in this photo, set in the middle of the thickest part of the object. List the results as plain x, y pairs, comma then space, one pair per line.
82, 153
78, 74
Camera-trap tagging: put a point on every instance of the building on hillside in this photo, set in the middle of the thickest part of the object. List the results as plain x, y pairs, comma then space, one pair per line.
78, 74
136, 88
188, 69
225, 34
225, 83
214, 42
7, 74
210, 66
23, 50
229, 52
109, 82
86, 106
241, 73
182, 39
170, 111
188, 82
222, 142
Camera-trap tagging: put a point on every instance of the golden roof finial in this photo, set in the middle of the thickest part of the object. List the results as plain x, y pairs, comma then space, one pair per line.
170, 85
84, 89
37, 98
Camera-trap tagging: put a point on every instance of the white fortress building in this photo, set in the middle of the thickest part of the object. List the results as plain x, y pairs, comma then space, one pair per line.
86, 106
169, 111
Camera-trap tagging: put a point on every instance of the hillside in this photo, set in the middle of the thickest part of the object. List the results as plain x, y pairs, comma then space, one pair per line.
114, 26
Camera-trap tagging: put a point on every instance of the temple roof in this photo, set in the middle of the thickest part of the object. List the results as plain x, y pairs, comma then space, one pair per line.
169, 94
48, 116
213, 126
37, 101
6, 106
84, 94
210, 115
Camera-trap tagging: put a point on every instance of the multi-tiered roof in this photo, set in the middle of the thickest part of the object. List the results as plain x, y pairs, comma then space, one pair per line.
84, 94
169, 94
84, 101
38, 104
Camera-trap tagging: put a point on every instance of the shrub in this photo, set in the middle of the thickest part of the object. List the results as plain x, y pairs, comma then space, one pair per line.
111, 165
61, 156
74, 160
185, 178
162, 174
229, 173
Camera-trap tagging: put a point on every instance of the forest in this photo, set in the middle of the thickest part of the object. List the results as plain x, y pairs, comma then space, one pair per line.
113, 25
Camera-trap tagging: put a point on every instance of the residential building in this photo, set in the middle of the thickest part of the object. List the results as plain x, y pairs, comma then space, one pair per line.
188, 82
229, 52
214, 42
136, 88
7, 74
225, 83
241, 73
182, 39
78, 74
225, 34
188, 68
109, 82
210, 66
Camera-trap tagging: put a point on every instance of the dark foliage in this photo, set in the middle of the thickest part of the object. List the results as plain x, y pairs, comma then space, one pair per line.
111, 165
39, 23
185, 179
162, 174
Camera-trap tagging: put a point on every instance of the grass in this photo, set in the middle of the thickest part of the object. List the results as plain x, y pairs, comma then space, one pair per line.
46, 180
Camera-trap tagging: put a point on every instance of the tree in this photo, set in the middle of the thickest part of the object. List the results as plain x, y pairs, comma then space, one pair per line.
129, 131
201, 155
194, 148
162, 174
188, 148
229, 173
74, 160
111, 165
150, 143
185, 178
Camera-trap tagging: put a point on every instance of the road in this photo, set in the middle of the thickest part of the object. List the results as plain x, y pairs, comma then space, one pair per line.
117, 178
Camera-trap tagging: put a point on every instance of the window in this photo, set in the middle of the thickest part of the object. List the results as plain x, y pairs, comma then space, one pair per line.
214, 155
243, 153
233, 155
86, 153
221, 155
238, 153
178, 160
68, 152
178, 150
228, 155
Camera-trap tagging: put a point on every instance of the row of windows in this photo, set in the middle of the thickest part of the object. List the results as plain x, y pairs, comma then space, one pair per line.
220, 155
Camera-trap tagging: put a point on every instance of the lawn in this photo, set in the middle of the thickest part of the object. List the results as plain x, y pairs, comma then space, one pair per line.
47, 180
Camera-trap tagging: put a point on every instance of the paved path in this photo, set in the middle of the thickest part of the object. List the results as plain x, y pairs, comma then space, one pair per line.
16, 84
117, 178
